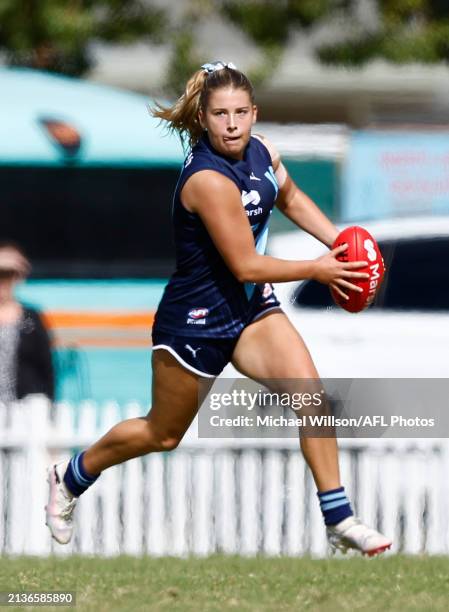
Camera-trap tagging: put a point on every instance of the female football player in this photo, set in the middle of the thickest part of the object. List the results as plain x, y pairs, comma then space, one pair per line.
219, 306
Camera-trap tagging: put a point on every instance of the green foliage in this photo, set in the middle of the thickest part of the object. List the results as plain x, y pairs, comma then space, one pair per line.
264, 22
410, 31
184, 62
54, 35
269, 22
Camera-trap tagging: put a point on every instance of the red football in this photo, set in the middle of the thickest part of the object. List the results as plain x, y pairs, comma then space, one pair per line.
361, 247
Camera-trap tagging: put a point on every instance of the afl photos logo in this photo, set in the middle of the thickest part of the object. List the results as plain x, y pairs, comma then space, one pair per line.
197, 316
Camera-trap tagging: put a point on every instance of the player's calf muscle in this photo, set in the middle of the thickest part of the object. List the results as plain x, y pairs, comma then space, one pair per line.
133, 438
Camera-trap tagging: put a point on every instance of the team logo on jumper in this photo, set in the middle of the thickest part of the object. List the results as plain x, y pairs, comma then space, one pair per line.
251, 198
197, 316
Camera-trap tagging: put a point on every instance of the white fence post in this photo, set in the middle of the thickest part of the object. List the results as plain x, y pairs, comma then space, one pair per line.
17, 509
273, 501
249, 494
133, 509
155, 496
202, 504
179, 502
37, 413
109, 485
295, 503
225, 502
86, 522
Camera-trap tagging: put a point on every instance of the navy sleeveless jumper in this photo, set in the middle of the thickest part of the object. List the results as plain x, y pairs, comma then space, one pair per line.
203, 299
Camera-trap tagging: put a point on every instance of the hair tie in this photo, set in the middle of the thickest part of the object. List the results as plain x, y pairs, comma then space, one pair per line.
213, 66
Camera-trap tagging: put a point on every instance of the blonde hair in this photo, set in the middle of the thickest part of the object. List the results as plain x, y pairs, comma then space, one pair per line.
182, 117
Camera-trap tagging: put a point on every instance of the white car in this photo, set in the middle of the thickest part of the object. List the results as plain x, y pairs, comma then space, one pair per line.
405, 333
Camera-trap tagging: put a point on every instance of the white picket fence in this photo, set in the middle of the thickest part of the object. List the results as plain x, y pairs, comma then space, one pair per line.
230, 496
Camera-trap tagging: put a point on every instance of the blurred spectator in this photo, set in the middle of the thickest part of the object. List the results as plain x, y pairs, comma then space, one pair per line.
25, 348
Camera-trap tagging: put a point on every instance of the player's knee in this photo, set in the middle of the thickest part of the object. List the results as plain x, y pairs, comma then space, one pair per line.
161, 440
169, 443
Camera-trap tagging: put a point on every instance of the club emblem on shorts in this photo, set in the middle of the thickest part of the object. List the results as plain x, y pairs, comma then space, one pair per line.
267, 290
197, 316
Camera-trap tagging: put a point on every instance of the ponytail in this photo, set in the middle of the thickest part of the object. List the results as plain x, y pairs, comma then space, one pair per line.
182, 117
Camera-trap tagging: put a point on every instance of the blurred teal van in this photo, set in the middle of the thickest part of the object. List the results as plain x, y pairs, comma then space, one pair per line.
86, 181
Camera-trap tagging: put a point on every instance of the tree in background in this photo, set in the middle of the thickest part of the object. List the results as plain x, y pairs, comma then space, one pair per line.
184, 58
270, 23
406, 31
396, 30
54, 35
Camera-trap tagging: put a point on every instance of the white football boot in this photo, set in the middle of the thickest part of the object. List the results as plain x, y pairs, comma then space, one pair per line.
351, 533
61, 504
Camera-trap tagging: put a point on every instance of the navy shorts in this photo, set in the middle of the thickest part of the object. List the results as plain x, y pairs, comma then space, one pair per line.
207, 356
203, 356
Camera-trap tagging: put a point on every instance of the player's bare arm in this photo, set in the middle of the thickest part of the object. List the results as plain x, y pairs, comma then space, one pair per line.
217, 201
296, 205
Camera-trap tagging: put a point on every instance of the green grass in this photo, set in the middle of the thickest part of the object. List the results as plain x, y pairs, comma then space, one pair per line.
234, 583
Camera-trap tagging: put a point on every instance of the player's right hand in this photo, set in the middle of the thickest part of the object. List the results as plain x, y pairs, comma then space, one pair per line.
328, 270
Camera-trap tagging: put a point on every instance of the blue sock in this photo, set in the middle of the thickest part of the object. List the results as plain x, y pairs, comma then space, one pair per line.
334, 505
76, 479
